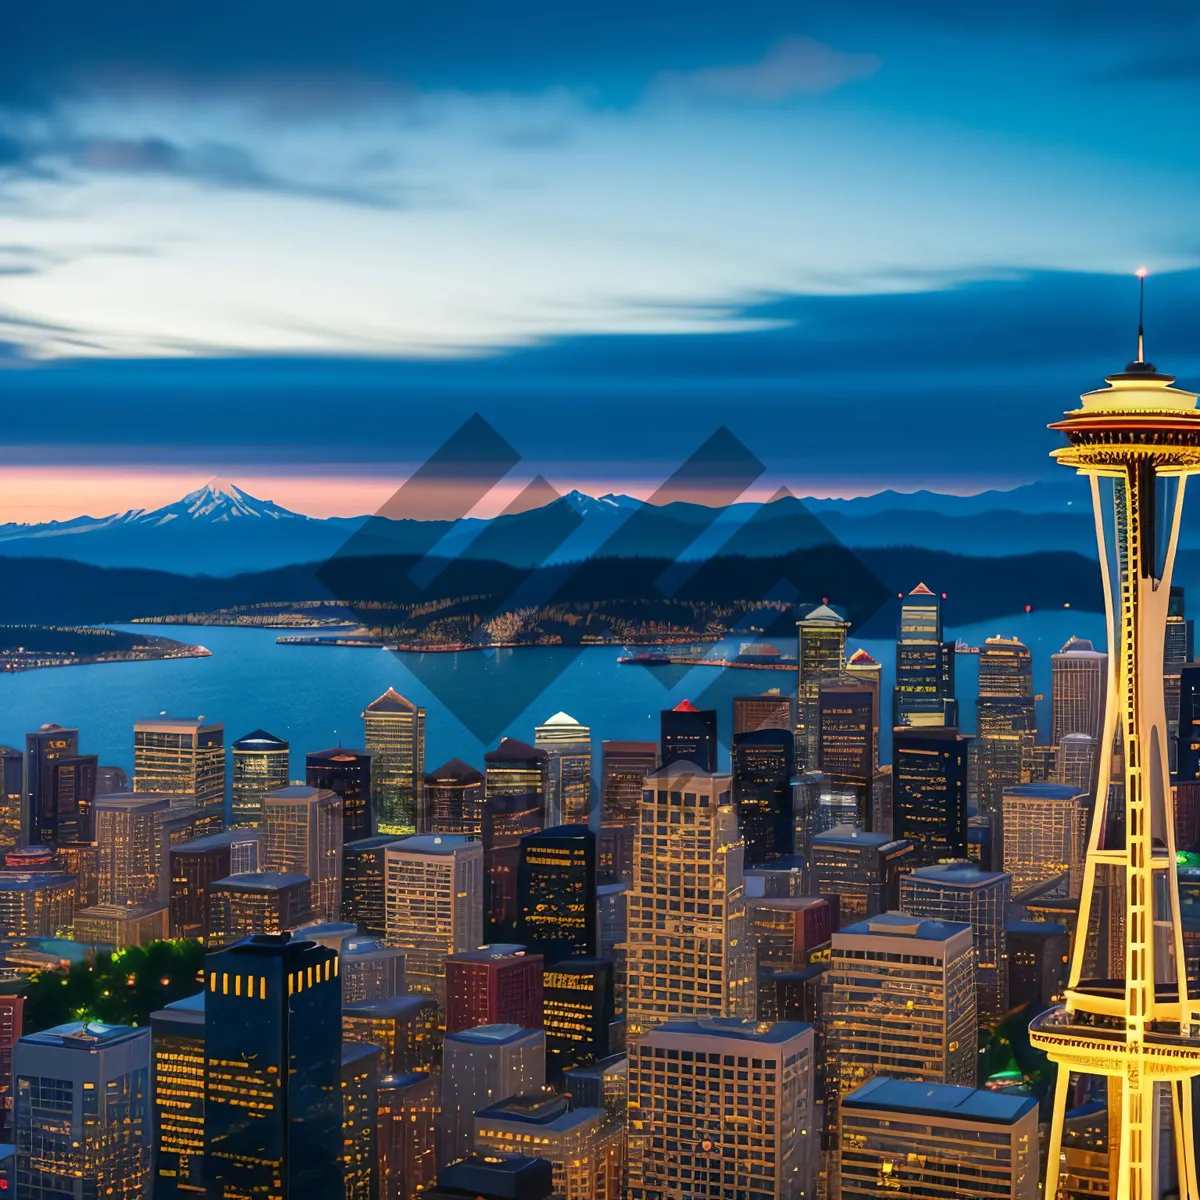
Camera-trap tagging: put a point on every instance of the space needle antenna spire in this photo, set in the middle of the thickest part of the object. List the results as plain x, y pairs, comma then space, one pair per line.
1141, 349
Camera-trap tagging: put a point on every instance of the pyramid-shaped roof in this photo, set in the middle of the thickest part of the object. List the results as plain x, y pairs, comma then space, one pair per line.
685, 706
561, 718
513, 750
824, 613
260, 739
860, 658
920, 590
390, 702
456, 769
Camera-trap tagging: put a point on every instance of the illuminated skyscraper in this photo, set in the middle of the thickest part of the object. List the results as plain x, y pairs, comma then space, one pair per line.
568, 747
924, 690
434, 905
1045, 834
83, 1119
495, 1177
187, 757
304, 837
689, 735
177, 1034
348, 774
687, 887
1004, 716
516, 768
848, 732
1075, 762
360, 1085
1136, 441
623, 766
482, 1066
454, 799
256, 902
506, 820
407, 1132
74, 788
763, 765
769, 710
961, 892
406, 1029
195, 866
395, 738
722, 1108
556, 892
36, 904
929, 792
862, 869
1078, 685
260, 765
821, 655
42, 750
578, 1014
901, 1002
12, 791
370, 969
364, 872
133, 835
1177, 650
494, 985
587, 1153
912, 1139
273, 1037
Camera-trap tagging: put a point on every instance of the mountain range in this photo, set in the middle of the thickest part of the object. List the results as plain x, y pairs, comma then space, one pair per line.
222, 530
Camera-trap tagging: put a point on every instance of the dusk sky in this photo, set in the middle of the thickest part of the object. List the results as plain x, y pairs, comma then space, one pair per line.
297, 245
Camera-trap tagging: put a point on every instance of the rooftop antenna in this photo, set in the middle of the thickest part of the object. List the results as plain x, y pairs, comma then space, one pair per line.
1141, 275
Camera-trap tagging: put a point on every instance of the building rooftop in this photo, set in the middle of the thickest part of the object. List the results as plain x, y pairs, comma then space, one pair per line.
432, 843
940, 1100
514, 750
217, 841
900, 924
391, 702
846, 835
685, 706
860, 658
1081, 647
959, 874
260, 881
403, 1081
580, 831
178, 724
1043, 791
370, 843
187, 1012
498, 1177
766, 1033
920, 590
688, 770
630, 747
390, 1008
493, 952
494, 1035
130, 801
454, 771
334, 754
823, 613
353, 1052
562, 718
260, 739
85, 1035
298, 793
33, 881
795, 903
547, 1110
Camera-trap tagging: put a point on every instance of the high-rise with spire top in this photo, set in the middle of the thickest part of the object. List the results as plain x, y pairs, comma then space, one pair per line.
924, 691
1135, 441
395, 739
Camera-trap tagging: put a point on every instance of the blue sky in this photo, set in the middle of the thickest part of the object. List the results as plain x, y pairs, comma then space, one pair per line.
599, 225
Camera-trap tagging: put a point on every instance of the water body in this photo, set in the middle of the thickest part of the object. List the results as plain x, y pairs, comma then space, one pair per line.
314, 696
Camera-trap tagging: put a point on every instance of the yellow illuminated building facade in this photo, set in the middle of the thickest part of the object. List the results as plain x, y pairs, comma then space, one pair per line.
394, 734
687, 953
1045, 834
185, 757
1135, 441
177, 1034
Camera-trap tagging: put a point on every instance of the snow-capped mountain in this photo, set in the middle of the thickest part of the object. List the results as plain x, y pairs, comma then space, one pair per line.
218, 500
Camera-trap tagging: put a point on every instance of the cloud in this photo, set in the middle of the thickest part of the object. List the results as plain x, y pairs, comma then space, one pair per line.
794, 67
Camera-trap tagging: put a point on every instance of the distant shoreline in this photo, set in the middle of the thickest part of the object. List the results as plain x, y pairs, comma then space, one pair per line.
42, 647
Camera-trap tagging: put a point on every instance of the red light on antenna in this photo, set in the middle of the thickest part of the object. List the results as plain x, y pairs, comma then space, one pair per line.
824, 599
1141, 272
943, 595
1029, 608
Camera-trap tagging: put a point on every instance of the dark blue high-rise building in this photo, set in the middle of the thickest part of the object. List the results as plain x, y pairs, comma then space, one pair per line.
929, 792
689, 734
1188, 768
272, 1066
764, 762
556, 892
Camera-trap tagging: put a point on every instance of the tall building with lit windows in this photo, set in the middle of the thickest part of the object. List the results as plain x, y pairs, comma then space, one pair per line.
1004, 717
1178, 643
454, 799
1045, 834
260, 765
772, 709
359, 1087
395, 739
929, 791
183, 756
494, 985
821, 655
721, 1107
623, 766
577, 1014
903, 1138
364, 868
900, 1002
516, 768
568, 747
556, 892
406, 1129
687, 951
848, 738
924, 689
304, 837
256, 902
12, 791
586, 1152
961, 892
1078, 685
177, 1059
405, 1029
83, 1119
273, 1067
689, 735
348, 774
50, 744
764, 762
434, 905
